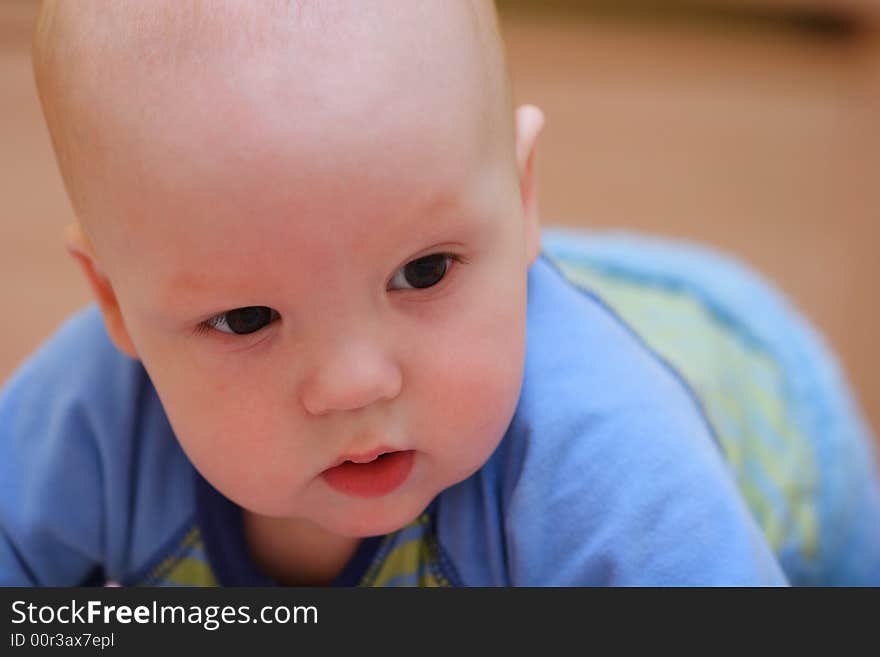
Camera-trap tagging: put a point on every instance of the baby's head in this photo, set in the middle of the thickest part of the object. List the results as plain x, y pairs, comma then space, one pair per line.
311, 221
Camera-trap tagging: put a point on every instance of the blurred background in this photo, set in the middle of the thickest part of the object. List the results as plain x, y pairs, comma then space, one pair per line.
748, 125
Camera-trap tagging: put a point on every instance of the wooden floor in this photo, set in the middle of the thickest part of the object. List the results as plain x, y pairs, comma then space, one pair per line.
761, 141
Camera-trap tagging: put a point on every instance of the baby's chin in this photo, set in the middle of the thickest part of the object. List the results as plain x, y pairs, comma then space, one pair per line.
376, 520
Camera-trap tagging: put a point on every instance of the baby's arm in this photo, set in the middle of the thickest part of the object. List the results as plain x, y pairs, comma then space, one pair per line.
92, 482
51, 516
50, 504
641, 499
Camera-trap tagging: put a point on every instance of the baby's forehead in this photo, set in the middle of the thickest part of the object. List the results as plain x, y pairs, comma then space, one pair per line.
350, 83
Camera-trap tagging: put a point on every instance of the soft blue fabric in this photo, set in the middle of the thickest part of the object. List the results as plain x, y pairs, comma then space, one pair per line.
608, 474
92, 481
814, 394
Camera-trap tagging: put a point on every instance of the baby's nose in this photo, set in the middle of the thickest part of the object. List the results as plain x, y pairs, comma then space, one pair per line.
351, 378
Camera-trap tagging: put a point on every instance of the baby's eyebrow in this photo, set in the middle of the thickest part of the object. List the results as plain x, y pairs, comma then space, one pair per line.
184, 282
178, 300
189, 293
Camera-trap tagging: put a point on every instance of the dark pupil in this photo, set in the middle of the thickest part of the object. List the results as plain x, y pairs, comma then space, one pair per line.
426, 271
248, 320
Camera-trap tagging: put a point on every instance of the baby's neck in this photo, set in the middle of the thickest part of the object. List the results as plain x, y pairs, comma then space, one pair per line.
296, 552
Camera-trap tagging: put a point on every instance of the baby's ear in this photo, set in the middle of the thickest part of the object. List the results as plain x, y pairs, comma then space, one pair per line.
529, 122
80, 247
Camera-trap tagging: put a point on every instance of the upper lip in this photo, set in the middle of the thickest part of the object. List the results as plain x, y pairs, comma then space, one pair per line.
364, 457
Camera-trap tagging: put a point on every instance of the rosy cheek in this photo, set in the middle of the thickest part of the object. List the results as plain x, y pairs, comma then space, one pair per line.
468, 394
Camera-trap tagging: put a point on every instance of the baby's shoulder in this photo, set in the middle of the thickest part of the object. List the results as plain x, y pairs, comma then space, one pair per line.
586, 367
81, 422
593, 385
772, 394
78, 372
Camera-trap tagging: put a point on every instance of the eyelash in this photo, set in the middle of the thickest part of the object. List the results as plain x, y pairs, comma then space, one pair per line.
207, 326
203, 328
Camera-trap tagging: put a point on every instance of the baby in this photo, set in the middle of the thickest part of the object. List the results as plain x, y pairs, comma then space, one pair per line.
327, 347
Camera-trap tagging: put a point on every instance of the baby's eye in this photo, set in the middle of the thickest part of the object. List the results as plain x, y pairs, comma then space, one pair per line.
243, 320
422, 272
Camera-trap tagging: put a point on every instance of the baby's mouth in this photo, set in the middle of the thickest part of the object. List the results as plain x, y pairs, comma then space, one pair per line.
370, 475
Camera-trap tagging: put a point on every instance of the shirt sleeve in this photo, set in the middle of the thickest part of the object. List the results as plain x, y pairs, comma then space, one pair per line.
614, 475
51, 528
638, 499
91, 479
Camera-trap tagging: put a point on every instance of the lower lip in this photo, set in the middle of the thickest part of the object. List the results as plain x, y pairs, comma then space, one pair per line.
373, 479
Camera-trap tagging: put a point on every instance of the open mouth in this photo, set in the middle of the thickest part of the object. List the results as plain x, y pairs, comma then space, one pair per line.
370, 475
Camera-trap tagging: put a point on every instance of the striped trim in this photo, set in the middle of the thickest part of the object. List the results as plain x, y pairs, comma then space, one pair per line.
187, 566
408, 557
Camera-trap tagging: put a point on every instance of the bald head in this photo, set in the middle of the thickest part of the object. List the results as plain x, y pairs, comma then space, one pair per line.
121, 79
